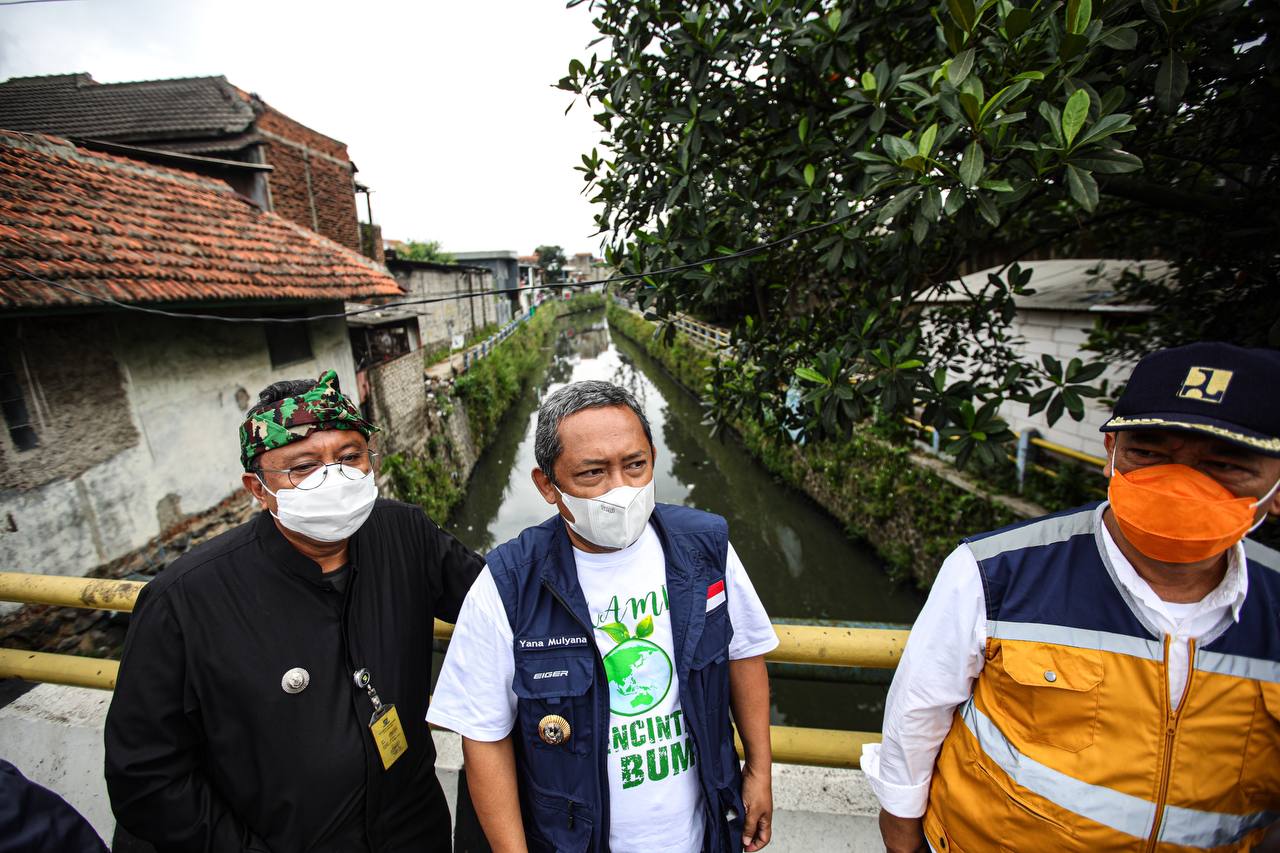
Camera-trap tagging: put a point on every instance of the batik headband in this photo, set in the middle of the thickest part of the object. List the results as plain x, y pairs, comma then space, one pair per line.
294, 418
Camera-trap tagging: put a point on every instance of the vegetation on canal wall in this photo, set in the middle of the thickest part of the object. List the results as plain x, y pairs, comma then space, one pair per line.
469, 411
880, 492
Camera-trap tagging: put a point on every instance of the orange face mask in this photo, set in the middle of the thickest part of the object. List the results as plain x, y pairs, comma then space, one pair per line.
1175, 514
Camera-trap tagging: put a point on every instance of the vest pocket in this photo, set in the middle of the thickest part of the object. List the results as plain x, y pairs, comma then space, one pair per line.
549, 685
1260, 775
1049, 694
558, 823
713, 645
1009, 817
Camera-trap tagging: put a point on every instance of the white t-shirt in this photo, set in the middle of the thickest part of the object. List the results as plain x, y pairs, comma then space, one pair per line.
655, 802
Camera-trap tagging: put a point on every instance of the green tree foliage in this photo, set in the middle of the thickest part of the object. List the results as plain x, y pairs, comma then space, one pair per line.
944, 136
424, 250
553, 261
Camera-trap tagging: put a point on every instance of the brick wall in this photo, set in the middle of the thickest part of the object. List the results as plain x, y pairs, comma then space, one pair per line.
311, 183
399, 403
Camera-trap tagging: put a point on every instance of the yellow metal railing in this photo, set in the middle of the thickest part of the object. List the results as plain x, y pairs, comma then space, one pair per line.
805, 644
1059, 449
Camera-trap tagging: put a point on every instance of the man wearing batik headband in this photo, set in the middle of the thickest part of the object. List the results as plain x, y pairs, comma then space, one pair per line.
1108, 678
274, 683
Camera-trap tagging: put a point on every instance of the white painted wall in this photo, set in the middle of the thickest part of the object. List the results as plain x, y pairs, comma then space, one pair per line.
181, 380
54, 736
1061, 334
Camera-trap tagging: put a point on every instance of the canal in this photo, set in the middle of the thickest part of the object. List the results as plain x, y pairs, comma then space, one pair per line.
801, 562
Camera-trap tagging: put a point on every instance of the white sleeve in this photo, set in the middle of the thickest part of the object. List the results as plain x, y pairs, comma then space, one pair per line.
944, 654
753, 634
473, 695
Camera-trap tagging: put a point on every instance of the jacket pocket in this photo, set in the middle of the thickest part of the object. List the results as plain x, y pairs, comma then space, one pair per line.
1048, 694
548, 686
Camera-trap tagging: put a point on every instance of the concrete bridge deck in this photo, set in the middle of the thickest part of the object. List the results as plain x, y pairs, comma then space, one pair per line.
53, 734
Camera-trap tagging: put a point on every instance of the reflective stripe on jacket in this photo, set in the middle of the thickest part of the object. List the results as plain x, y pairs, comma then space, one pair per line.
1070, 740
564, 789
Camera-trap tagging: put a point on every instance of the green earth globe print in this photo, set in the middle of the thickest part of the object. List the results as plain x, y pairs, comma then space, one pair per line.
639, 674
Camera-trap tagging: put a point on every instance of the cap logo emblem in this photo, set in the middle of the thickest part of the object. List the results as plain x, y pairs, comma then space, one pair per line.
1208, 384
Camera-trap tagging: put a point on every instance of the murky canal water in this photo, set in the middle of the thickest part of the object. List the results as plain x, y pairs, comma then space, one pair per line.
801, 562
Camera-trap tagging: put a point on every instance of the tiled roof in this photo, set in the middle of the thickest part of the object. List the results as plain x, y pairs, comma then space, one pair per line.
136, 232
77, 105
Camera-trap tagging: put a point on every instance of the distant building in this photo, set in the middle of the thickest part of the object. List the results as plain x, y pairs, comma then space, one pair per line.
581, 266
1069, 297
532, 277
505, 266
381, 334
119, 425
309, 178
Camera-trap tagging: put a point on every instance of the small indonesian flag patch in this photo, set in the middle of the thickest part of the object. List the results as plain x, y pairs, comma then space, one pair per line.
715, 595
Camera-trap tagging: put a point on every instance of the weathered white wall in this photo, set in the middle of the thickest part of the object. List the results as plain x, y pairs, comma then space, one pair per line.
54, 736
438, 321
187, 385
1061, 334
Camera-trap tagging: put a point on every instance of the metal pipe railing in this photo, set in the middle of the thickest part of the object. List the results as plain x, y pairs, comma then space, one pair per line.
73, 670
1031, 438
813, 645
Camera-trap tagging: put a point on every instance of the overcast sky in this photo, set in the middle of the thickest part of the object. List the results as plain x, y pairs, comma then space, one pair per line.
447, 108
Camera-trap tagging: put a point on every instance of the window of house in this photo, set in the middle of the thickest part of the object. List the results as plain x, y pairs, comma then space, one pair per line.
17, 416
288, 343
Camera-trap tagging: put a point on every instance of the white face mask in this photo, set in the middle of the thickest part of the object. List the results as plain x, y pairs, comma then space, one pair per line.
615, 519
331, 511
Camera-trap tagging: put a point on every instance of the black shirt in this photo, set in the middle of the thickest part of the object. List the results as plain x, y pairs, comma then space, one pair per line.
205, 750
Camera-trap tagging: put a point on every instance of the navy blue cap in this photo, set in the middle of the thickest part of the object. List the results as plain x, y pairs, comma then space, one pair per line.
1217, 389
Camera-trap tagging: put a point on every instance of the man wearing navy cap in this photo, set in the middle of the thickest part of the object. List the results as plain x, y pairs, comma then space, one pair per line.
1108, 678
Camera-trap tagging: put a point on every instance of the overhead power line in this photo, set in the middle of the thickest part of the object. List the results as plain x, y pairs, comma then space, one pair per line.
402, 303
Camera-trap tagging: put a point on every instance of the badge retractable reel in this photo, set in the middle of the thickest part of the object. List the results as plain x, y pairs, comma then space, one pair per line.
384, 724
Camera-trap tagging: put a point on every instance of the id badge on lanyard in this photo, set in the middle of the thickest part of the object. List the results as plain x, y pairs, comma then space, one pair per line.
384, 725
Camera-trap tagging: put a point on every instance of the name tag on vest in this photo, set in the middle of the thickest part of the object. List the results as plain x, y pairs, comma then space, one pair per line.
552, 643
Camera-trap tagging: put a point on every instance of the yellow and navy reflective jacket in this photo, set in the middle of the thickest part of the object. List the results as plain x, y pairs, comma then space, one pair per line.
1070, 740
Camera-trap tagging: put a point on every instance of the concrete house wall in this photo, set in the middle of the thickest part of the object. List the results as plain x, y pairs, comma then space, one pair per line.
137, 422
1062, 334
438, 321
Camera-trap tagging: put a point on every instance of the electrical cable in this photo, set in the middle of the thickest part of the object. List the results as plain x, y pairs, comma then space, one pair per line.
182, 315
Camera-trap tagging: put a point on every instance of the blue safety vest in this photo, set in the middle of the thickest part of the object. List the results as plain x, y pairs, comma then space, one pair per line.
564, 789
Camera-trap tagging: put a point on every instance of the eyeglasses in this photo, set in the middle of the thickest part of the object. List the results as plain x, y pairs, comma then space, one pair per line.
353, 466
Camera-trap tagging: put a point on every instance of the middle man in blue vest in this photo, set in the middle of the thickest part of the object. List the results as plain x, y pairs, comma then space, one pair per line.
596, 659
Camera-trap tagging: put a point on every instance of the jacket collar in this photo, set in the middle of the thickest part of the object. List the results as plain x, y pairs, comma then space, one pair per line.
282, 553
